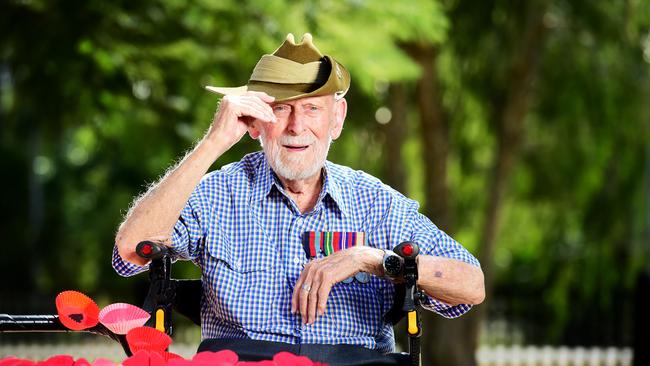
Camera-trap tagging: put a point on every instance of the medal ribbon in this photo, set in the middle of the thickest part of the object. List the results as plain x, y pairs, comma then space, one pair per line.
329, 242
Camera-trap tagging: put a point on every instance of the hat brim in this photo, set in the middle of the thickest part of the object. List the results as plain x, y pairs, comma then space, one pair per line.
337, 83
281, 92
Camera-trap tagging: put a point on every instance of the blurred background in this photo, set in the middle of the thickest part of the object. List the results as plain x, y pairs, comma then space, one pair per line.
522, 128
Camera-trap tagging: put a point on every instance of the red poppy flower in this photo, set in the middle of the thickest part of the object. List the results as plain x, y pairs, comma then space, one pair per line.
289, 359
147, 338
221, 358
180, 362
58, 360
81, 362
76, 310
145, 358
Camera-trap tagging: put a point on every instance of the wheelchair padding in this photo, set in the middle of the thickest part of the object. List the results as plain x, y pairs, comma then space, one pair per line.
188, 299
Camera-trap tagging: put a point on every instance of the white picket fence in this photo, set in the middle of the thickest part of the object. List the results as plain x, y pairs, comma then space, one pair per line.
553, 356
486, 355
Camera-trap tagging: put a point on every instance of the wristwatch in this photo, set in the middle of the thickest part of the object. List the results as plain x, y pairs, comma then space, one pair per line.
393, 265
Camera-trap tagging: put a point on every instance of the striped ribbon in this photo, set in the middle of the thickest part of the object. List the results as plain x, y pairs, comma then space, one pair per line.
329, 242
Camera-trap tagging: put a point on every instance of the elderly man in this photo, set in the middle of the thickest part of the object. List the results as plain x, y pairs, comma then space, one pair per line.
292, 246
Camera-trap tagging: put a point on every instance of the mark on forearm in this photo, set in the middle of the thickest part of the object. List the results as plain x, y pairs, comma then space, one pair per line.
438, 274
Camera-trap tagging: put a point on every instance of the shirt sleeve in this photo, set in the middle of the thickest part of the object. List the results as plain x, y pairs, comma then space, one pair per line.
188, 235
435, 242
124, 268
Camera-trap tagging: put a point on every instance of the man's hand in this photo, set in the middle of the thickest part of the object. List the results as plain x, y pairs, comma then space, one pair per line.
155, 213
236, 112
318, 277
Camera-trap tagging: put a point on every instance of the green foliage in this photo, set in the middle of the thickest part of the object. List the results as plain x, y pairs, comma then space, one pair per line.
97, 99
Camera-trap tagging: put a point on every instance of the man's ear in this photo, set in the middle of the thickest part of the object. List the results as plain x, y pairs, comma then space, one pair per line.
340, 111
253, 130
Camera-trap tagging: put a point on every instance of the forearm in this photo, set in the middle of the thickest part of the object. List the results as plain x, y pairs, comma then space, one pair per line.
448, 280
153, 215
451, 281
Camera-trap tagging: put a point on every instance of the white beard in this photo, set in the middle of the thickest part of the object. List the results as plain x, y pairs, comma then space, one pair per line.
299, 165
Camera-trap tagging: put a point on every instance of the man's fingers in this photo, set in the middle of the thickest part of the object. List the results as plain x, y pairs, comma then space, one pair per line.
301, 291
303, 301
263, 111
262, 95
323, 294
245, 111
295, 297
312, 302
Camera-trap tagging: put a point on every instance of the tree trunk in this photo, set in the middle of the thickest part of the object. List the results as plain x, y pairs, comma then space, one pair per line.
453, 342
443, 343
509, 116
434, 135
395, 132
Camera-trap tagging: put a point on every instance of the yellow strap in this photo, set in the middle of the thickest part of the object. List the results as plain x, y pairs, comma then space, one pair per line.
413, 322
160, 320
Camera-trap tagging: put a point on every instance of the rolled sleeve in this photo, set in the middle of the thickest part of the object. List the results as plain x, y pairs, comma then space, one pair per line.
124, 268
188, 235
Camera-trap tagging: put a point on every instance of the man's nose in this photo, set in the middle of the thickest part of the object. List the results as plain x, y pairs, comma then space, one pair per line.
296, 123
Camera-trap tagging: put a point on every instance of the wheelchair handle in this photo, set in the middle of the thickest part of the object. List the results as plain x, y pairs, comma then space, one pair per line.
151, 250
409, 252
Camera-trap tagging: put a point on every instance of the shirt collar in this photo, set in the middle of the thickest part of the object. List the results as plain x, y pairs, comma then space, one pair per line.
265, 179
332, 187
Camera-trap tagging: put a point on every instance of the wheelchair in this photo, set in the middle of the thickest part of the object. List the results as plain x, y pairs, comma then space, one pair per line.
167, 295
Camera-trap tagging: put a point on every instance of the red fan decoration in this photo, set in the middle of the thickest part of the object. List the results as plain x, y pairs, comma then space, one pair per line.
144, 358
76, 310
286, 358
147, 338
221, 358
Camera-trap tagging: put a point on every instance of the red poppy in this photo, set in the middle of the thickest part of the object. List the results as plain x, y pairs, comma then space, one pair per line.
76, 310
289, 359
221, 358
81, 362
58, 360
145, 358
147, 338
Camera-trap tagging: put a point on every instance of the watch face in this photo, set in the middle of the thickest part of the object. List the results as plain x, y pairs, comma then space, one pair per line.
393, 266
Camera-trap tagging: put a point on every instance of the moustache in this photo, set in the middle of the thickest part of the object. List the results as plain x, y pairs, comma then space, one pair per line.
296, 140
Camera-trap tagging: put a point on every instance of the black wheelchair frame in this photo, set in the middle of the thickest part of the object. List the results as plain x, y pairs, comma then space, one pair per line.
166, 295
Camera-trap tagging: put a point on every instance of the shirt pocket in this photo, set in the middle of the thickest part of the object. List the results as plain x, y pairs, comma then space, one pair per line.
243, 285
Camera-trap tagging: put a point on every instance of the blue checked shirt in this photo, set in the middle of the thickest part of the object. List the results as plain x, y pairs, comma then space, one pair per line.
245, 233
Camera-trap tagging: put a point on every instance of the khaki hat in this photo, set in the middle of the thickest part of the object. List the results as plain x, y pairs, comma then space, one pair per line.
294, 71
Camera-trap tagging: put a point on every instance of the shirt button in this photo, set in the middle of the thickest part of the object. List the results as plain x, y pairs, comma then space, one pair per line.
296, 260
299, 220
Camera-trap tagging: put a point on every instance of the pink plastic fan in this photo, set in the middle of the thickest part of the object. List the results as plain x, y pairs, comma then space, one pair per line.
120, 318
76, 310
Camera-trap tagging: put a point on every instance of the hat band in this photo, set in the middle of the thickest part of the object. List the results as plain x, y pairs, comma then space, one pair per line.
274, 69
